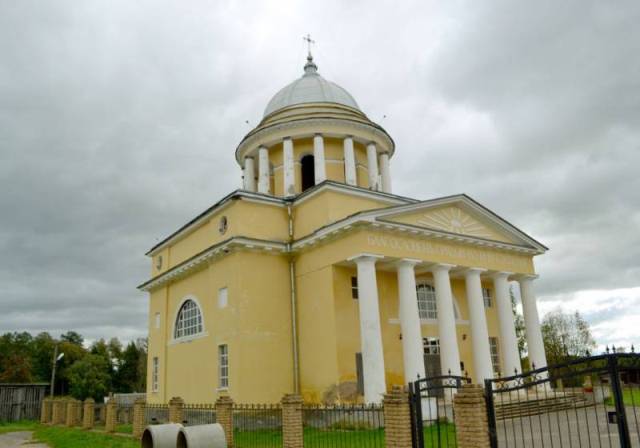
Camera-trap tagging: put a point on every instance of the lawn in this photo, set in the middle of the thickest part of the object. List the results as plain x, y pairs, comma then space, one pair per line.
630, 397
62, 437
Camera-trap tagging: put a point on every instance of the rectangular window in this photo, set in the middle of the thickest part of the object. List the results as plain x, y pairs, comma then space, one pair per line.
431, 346
157, 320
495, 355
426, 301
223, 297
354, 287
359, 374
486, 295
223, 366
155, 374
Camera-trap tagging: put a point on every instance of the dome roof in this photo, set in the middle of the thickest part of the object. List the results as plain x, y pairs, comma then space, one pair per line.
311, 88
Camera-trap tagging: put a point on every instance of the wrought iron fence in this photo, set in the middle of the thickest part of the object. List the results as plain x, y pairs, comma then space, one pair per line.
343, 426
257, 426
534, 409
198, 414
99, 414
124, 413
432, 416
155, 414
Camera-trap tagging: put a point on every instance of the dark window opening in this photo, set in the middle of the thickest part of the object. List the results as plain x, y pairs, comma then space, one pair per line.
354, 287
308, 172
359, 374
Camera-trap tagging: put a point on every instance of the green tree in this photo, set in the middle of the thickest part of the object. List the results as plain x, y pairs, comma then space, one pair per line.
42, 348
88, 377
15, 358
72, 337
566, 336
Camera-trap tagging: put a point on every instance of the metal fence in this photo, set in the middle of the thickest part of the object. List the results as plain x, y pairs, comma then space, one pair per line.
155, 414
257, 426
124, 413
198, 414
21, 401
343, 426
534, 410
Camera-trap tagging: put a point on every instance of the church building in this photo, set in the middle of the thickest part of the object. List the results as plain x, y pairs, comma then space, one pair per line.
315, 278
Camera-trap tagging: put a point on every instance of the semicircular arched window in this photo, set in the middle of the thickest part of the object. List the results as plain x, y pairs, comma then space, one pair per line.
189, 320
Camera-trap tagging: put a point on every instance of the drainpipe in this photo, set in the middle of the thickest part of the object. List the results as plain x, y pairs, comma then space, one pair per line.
294, 314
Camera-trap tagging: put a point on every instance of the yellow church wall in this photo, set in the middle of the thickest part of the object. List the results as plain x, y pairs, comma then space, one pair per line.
255, 325
317, 338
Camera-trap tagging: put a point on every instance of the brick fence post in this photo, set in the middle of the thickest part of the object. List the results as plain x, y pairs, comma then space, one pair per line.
224, 416
176, 405
89, 414
397, 419
45, 414
58, 413
72, 413
472, 428
292, 421
111, 417
138, 417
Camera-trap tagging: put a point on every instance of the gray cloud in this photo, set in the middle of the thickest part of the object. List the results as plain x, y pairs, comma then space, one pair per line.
118, 123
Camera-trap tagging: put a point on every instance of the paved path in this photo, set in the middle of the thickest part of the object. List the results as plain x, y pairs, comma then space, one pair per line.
19, 439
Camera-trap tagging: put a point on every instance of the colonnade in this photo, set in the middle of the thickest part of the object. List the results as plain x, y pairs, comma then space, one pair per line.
412, 345
377, 166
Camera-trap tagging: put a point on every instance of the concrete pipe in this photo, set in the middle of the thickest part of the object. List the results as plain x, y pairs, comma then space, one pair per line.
202, 436
160, 436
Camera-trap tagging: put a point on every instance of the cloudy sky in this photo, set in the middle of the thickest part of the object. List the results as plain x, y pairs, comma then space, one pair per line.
119, 120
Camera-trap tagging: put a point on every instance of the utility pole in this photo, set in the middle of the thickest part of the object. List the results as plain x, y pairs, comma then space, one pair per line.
53, 370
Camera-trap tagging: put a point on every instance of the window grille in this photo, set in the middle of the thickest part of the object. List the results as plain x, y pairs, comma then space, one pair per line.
427, 301
189, 320
223, 366
486, 296
495, 355
431, 346
354, 287
155, 374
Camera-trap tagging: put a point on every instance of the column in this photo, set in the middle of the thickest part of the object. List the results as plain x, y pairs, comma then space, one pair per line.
449, 354
412, 349
370, 332
479, 333
533, 332
263, 170
372, 161
288, 172
508, 338
249, 174
320, 170
349, 162
384, 172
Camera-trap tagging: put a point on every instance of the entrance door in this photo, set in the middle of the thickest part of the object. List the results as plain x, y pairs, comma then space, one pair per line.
432, 366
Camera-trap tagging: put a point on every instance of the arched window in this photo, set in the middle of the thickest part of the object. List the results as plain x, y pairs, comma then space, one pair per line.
189, 320
308, 172
427, 302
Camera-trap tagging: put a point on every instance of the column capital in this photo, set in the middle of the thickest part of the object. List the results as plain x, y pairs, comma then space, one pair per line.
525, 277
441, 267
407, 262
365, 257
287, 138
317, 134
501, 275
471, 271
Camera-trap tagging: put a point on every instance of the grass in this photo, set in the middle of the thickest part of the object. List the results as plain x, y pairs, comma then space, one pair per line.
630, 397
62, 437
447, 432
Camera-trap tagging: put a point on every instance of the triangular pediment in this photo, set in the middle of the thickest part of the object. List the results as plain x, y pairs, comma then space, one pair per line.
458, 215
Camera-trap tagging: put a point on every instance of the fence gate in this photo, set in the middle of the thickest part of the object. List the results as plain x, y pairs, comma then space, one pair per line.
432, 418
21, 401
588, 402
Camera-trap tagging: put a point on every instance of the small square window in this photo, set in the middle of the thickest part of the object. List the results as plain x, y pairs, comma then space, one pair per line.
354, 287
223, 297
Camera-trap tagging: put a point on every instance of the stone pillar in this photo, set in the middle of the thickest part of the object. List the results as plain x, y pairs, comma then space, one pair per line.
385, 173
176, 405
45, 413
58, 413
249, 182
372, 162
111, 418
292, 421
72, 413
350, 177
533, 332
412, 347
472, 428
89, 415
479, 333
449, 353
224, 416
319, 165
138, 417
263, 170
397, 419
370, 331
508, 338
288, 168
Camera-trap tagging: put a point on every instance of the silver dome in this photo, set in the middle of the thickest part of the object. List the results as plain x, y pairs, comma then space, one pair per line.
311, 88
